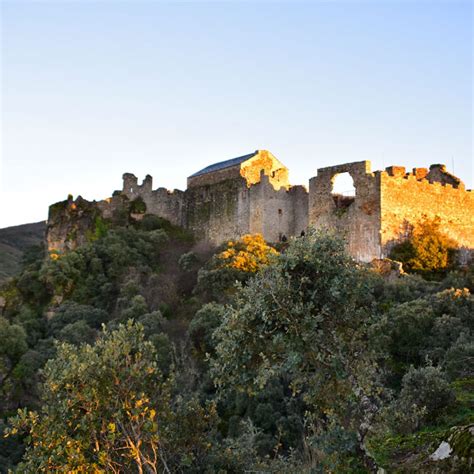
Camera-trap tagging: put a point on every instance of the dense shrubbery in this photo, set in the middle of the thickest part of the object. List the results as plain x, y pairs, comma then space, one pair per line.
142, 343
108, 408
426, 330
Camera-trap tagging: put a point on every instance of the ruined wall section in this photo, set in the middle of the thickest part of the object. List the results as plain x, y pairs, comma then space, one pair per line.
218, 212
439, 173
300, 199
68, 223
357, 219
229, 209
277, 213
161, 202
405, 200
255, 197
270, 210
73, 223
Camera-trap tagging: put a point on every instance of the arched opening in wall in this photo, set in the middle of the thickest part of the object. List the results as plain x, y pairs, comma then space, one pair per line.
343, 190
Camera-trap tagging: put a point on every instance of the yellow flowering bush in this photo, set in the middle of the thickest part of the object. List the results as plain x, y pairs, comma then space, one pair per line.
247, 254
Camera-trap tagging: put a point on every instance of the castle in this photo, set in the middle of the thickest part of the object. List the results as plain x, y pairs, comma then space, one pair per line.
252, 194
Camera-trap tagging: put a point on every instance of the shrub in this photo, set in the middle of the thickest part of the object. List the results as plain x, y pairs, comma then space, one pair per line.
138, 206
77, 333
70, 312
188, 261
403, 333
151, 222
302, 319
202, 327
425, 395
459, 359
427, 250
248, 254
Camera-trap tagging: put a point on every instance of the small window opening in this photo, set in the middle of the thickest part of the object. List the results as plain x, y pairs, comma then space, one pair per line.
280, 212
343, 190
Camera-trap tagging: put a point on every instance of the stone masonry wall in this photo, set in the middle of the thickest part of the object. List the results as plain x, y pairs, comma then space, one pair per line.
230, 209
162, 202
277, 214
213, 211
406, 200
358, 219
234, 201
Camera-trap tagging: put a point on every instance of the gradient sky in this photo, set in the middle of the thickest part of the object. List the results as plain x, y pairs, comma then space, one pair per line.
93, 89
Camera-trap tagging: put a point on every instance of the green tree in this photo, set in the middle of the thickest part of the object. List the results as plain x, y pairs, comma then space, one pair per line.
305, 318
107, 408
202, 327
12, 346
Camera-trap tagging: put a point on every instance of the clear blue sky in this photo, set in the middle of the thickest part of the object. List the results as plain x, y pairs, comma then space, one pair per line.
91, 90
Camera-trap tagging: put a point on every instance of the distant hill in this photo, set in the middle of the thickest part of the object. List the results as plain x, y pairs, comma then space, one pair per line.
13, 243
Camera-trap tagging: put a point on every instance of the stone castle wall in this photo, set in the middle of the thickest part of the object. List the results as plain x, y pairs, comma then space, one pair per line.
230, 208
227, 206
405, 200
229, 202
213, 212
162, 202
356, 218
277, 214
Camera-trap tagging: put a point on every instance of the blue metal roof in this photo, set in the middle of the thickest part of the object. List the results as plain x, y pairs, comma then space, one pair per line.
224, 164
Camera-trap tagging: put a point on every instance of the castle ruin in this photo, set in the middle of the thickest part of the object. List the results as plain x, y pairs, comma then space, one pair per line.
252, 194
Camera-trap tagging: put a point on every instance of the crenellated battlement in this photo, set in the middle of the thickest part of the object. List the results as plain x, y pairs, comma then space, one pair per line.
411, 197
436, 175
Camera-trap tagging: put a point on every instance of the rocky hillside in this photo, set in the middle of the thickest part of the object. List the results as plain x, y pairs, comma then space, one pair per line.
13, 243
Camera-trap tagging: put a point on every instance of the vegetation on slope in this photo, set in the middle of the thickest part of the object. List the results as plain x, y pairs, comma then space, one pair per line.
144, 352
